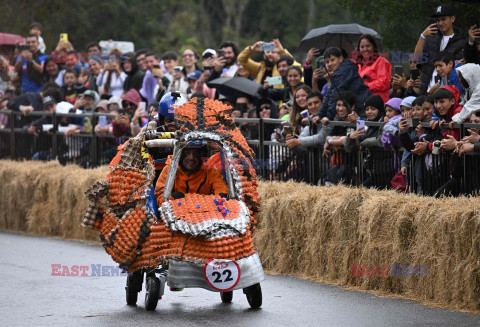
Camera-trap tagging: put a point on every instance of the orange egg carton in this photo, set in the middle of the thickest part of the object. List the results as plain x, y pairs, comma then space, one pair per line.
130, 233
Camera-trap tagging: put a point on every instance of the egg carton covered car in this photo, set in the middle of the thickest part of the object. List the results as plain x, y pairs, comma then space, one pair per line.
198, 241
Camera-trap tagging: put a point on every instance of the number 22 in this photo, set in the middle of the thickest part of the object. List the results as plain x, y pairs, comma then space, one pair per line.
218, 276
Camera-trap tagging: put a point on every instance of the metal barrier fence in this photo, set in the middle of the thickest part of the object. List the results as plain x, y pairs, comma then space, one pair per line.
274, 160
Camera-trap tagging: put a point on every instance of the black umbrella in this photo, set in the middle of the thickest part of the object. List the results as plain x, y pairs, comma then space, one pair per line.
234, 87
342, 35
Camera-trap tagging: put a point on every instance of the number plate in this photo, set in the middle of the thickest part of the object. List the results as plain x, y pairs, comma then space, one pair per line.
222, 275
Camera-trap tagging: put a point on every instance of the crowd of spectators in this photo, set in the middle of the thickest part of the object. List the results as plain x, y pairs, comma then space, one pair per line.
441, 87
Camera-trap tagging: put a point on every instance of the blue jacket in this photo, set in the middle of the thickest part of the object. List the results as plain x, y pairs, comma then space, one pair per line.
345, 78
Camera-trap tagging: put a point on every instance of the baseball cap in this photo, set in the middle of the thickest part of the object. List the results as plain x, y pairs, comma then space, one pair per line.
115, 99
90, 93
48, 100
195, 75
63, 107
443, 10
208, 53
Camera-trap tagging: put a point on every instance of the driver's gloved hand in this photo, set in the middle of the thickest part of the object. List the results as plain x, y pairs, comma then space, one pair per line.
224, 195
178, 195
150, 134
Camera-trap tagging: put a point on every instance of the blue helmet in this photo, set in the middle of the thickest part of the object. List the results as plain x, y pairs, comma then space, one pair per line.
166, 108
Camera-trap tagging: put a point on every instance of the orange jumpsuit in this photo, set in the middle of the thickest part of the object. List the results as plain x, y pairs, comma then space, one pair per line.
204, 181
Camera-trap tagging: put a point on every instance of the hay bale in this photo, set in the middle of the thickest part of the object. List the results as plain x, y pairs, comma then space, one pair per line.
313, 232
46, 198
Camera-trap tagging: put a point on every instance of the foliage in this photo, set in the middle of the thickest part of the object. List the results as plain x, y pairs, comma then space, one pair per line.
163, 25
401, 22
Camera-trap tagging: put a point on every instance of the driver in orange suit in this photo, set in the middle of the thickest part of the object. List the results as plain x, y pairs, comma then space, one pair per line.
191, 177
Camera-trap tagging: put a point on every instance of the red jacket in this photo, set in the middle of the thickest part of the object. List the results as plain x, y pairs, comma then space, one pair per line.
380, 74
455, 109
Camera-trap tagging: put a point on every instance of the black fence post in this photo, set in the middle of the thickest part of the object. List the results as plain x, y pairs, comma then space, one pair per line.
261, 131
12, 135
54, 136
94, 147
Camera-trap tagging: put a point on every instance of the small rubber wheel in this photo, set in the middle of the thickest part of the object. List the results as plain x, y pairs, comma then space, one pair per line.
226, 296
134, 285
254, 295
152, 292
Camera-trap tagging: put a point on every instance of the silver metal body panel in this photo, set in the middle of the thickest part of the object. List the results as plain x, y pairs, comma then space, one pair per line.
190, 275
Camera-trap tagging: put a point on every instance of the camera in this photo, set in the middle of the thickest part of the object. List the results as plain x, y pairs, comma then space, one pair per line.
436, 147
23, 47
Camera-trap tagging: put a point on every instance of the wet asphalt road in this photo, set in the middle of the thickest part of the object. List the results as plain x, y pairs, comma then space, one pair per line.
31, 296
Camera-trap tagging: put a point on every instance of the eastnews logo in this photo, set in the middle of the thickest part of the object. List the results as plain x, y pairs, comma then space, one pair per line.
94, 270
393, 270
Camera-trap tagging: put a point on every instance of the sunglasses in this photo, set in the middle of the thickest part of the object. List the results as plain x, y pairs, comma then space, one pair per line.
127, 104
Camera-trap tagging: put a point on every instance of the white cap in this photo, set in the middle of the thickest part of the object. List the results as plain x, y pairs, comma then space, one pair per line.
63, 107
211, 51
115, 99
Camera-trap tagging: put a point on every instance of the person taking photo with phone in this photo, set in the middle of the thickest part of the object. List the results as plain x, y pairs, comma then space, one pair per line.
29, 66
472, 47
439, 36
272, 51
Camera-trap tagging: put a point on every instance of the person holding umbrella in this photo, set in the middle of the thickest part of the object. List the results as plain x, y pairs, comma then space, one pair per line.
375, 70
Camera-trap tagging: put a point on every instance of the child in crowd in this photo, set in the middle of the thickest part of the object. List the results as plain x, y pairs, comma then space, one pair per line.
409, 134
36, 29
444, 65
392, 114
390, 139
71, 87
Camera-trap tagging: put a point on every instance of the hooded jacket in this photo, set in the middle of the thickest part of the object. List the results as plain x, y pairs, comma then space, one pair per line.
432, 47
380, 74
269, 128
134, 78
345, 78
132, 96
471, 73
455, 109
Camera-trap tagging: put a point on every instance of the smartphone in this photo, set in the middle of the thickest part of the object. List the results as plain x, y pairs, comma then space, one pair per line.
64, 37
415, 122
102, 121
287, 128
267, 46
276, 80
320, 62
410, 122
220, 53
360, 123
398, 70
438, 78
434, 21
142, 109
414, 74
